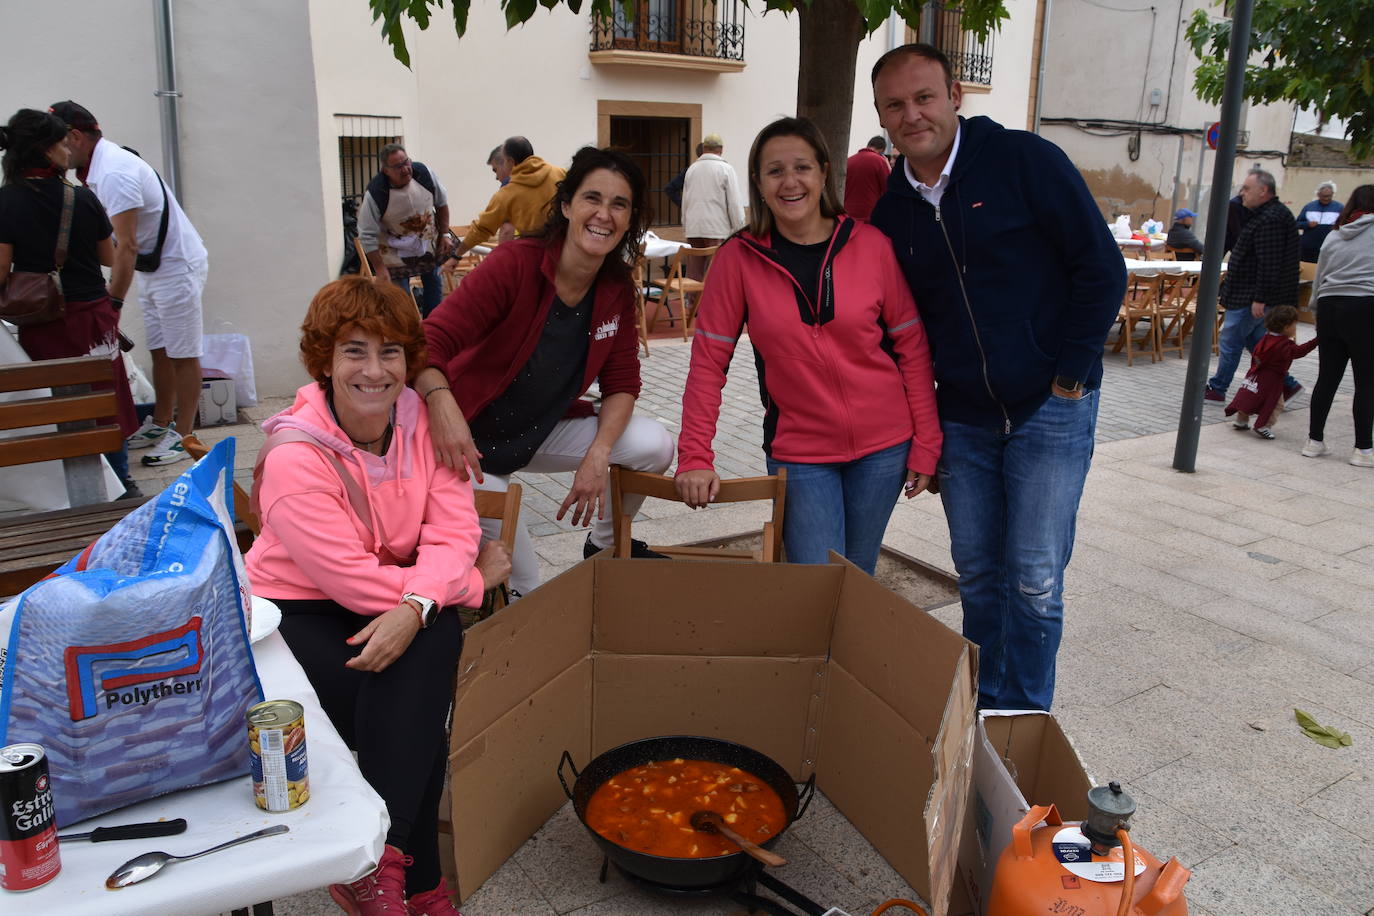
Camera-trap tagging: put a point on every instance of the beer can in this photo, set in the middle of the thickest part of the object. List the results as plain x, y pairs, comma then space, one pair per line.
276, 754
28, 823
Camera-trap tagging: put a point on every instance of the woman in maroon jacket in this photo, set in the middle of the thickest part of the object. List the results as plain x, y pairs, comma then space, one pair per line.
848, 392
517, 344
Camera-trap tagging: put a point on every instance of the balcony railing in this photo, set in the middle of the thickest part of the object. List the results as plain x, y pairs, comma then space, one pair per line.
970, 58
695, 28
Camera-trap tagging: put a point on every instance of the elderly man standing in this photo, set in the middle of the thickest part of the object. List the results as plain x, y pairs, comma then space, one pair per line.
1317, 219
712, 208
523, 201
156, 239
865, 179
1018, 282
1262, 274
403, 224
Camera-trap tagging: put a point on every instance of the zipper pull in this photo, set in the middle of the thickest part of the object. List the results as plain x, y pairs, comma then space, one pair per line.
1008, 426
815, 332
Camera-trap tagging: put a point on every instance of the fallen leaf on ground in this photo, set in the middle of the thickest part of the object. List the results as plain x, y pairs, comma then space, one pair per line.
1325, 735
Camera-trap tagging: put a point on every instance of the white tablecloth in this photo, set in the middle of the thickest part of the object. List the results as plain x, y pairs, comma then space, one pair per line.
1135, 266
335, 837
655, 247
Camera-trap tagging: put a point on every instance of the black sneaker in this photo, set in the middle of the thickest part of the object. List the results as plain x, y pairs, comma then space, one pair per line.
131, 490
639, 550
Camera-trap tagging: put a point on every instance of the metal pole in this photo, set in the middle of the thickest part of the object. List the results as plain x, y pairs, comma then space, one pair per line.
1178, 173
1199, 358
167, 96
1040, 67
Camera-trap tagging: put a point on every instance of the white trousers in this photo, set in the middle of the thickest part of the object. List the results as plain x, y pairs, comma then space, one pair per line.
644, 446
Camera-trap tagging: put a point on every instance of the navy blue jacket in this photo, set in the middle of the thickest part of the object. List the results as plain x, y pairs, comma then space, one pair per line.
1016, 276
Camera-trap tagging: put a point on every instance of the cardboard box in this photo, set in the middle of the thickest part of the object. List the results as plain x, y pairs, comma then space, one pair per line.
217, 402
1020, 759
819, 667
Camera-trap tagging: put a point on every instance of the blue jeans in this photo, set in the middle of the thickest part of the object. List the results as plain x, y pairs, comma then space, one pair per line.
1011, 501
841, 507
433, 290
1240, 330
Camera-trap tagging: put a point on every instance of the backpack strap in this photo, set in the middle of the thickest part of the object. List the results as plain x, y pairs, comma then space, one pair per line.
357, 499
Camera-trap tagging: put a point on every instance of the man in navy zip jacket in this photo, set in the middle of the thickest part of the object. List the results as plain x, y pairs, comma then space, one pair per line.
1018, 282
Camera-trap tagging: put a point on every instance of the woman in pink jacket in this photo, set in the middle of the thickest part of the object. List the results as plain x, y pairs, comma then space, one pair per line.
844, 372
367, 543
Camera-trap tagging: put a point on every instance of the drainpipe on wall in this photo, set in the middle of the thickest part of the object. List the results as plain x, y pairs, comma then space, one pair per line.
1040, 66
167, 95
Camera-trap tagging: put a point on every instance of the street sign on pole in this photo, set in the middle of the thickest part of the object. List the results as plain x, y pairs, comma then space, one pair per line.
1214, 134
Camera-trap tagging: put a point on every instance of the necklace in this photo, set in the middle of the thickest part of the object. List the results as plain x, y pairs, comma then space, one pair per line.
386, 432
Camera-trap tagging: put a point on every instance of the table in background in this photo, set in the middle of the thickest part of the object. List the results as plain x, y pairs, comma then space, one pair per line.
335, 837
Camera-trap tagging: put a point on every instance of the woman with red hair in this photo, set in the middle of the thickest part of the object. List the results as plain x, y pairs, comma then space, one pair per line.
367, 544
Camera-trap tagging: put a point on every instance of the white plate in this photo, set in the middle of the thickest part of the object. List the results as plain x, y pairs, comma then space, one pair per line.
266, 617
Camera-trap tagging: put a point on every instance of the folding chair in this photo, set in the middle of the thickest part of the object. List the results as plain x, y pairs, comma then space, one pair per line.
741, 489
682, 287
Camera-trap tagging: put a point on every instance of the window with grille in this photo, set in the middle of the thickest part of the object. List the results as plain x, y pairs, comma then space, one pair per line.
697, 28
659, 146
969, 58
361, 138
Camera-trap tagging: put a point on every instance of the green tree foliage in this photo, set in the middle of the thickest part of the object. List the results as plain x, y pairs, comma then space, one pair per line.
1316, 53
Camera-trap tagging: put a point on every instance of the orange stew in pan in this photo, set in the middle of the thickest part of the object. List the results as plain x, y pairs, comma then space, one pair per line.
649, 808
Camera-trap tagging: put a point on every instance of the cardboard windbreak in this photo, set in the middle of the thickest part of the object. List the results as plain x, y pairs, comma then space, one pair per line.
1020, 759
819, 667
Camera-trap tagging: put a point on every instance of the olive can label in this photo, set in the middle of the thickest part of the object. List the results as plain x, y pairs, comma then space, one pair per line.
28, 825
276, 755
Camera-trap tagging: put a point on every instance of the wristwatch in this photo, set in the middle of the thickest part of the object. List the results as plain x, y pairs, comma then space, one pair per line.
1067, 384
428, 607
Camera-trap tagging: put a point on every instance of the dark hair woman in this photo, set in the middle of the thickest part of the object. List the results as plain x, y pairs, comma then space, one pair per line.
31, 203
367, 542
514, 347
849, 392
1344, 293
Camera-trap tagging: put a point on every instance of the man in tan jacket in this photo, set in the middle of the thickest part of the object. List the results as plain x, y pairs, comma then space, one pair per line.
522, 202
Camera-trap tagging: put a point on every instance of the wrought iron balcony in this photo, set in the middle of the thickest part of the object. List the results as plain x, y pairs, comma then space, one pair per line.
695, 28
970, 59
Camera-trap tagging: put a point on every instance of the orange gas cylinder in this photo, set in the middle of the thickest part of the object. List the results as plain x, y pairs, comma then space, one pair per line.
1078, 869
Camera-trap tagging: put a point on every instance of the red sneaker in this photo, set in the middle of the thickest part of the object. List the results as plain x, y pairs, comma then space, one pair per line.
382, 893
433, 903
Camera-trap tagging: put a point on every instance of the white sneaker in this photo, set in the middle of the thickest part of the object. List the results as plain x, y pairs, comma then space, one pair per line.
1362, 457
147, 435
1315, 449
168, 451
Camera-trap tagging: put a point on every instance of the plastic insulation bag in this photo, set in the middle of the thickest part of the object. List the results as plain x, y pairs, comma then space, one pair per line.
131, 665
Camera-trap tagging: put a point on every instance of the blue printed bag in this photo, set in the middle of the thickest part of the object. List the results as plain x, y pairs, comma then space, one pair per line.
132, 665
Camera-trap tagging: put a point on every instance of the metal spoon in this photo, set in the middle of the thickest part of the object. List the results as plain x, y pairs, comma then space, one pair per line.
711, 822
141, 868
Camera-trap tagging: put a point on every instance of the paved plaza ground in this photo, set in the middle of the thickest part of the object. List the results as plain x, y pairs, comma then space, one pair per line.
1201, 609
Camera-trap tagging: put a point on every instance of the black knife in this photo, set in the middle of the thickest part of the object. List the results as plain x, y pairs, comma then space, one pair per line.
130, 831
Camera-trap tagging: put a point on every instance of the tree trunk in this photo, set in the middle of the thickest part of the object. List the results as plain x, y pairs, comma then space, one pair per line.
830, 34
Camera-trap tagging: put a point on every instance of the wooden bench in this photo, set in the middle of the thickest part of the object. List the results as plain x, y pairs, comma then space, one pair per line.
33, 545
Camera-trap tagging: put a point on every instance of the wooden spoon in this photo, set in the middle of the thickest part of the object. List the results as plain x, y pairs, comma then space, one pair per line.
711, 822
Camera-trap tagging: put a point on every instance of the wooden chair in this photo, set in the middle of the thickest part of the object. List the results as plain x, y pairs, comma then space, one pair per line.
742, 489
1140, 304
505, 506
682, 287
364, 268
1174, 312
1180, 253
640, 273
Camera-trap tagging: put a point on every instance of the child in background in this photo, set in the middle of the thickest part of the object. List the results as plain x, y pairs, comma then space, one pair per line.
1261, 393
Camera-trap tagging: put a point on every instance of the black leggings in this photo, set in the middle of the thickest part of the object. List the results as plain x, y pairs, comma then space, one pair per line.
394, 720
1345, 332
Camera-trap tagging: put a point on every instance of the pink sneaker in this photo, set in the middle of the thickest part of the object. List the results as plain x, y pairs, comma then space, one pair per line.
382, 893
433, 903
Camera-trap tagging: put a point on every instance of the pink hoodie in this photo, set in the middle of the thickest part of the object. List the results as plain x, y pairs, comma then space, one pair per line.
314, 546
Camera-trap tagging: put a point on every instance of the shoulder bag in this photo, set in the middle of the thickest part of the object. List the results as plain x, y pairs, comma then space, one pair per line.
29, 297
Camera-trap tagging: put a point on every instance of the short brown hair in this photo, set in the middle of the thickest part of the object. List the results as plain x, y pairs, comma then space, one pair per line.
760, 217
358, 302
1278, 319
915, 49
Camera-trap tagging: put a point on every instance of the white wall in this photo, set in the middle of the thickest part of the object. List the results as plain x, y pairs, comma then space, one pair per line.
1104, 61
247, 166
